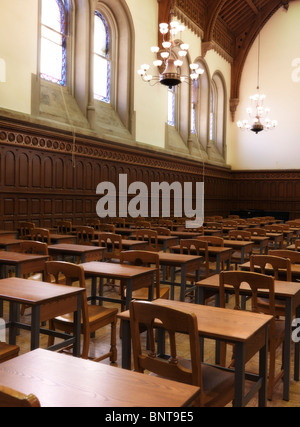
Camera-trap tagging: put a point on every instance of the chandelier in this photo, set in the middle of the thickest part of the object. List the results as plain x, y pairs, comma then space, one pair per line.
258, 114
167, 64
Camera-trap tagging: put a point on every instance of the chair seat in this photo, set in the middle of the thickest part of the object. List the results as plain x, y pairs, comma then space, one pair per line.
95, 313
8, 351
263, 303
142, 294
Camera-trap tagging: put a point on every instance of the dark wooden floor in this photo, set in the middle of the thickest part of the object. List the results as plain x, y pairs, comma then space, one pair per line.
100, 345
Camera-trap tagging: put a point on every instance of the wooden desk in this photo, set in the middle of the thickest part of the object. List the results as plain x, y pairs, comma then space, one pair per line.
10, 244
186, 234
277, 238
62, 238
10, 234
244, 246
47, 301
220, 324
135, 277
72, 382
165, 241
217, 254
186, 263
127, 244
23, 263
295, 268
289, 292
86, 253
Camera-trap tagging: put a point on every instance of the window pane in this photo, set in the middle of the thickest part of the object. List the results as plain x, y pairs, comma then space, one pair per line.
51, 14
51, 61
100, 36
101, 83
171, 107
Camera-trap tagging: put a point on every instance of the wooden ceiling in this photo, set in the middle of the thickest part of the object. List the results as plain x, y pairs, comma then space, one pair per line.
228, 26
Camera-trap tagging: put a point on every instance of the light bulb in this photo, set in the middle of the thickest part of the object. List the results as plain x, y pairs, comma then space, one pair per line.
154, 49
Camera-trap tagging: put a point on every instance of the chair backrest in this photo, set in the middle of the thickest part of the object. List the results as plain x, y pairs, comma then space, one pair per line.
274, 228
278, 264
112, 243
212, 240
215, 225
107, 228
145, 259
285, 253
149, 236
146, 314
199, 230
230, 223
33, 247
163, 231
256, 281
64, 227
256, 231
10, 398
119, 222
25, 229
85, 235
239, 235
293, 223
70, 275
168, 223
40, 235
93, 223
142, 224
196, 247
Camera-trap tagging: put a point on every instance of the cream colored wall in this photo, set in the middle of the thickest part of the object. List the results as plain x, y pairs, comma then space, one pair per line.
18, 48
280, 148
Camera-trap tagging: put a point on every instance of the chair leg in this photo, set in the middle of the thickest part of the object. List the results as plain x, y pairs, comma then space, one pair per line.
113, 349
271, 373
51, 338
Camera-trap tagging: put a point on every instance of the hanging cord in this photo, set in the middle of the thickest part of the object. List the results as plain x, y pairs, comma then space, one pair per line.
72, 127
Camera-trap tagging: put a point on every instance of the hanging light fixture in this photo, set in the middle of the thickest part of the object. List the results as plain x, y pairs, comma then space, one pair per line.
258, 114
167, 64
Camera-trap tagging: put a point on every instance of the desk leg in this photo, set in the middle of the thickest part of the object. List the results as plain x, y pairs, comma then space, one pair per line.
183, 282
239, 375
263, 372
77, 327
297, 353
13, 309
35, 327
173, 275
287, 350
128, 293
126, 345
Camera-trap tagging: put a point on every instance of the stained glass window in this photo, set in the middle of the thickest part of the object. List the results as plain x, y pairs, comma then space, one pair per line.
102, 63
171, 106
53, 42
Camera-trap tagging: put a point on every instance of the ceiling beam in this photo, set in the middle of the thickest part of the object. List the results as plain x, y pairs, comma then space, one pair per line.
253, 7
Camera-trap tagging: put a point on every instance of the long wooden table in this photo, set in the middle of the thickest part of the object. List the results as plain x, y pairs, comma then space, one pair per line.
238, 327
289, 292
134, 277
58, 380
47, 301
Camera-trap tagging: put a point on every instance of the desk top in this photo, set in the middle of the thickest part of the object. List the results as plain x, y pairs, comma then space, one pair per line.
110, 269
72, 382
72, 248
218, 323
214, 250
177, 259
13, 258
33, 292
282, 288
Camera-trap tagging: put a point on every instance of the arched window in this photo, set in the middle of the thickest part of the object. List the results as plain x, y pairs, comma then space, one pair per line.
218, 112
53, 59
102, 60
213, 112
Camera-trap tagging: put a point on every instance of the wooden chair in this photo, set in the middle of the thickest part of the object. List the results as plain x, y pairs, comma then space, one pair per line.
94, 317
218, 226
113, 245
217, 385
212, 240
236, 256
143, 224
93, 223
8, 351
163, 231
297, 245
167, 223
145, 259
25, 229
64, 227
256, 281
107, 228
256, 231
150, 236
85, 235
40, 235
10, 398
278, 267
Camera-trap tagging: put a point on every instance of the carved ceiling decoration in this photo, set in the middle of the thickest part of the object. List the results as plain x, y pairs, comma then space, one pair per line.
229, 27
